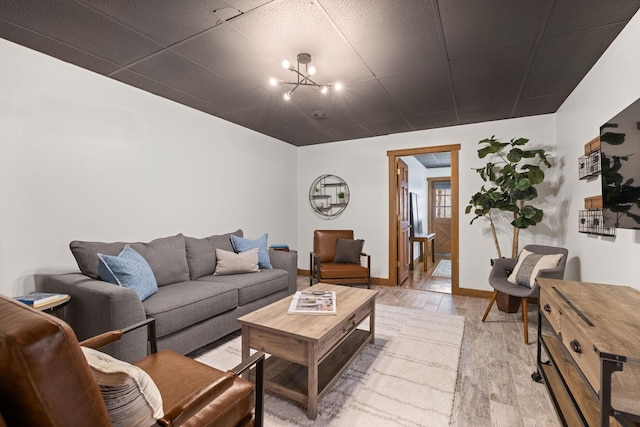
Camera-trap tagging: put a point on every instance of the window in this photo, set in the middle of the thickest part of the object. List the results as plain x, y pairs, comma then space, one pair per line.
443, 201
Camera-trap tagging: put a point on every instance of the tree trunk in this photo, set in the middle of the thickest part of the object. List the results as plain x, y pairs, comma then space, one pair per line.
495, 239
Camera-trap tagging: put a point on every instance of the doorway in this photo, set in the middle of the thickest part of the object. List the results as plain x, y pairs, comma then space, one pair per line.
396, 245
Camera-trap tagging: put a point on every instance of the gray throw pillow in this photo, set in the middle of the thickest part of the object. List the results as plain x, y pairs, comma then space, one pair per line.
348, 251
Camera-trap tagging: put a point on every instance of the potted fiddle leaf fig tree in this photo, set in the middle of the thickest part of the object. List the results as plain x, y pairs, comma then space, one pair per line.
511, 175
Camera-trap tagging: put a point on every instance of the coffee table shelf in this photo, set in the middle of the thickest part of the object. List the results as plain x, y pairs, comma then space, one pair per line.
290, 379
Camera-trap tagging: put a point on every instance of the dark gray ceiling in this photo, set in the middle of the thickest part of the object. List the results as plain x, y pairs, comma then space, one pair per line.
406, 64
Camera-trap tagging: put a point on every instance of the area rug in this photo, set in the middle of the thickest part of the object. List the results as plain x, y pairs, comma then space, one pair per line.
443, 269
406, 378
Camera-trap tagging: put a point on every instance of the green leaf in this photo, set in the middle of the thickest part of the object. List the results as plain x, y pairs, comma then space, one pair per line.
536, 175
612, 138
515, 155
519, 141
523, 184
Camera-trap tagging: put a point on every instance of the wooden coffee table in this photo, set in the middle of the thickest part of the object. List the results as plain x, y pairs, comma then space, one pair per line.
309, 352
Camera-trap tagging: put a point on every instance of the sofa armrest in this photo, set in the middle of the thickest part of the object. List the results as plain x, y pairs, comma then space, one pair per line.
97, 307
286, 261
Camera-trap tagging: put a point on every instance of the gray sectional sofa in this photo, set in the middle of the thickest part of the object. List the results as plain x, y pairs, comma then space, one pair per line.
192, 307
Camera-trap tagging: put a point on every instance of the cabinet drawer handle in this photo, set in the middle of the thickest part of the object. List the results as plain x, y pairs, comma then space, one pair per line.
547, 308
575, 346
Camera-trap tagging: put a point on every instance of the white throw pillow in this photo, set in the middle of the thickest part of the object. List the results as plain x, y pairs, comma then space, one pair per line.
528, 266
131, 396
236, 263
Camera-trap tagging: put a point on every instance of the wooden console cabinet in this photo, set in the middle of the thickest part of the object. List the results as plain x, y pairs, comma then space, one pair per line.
591, 336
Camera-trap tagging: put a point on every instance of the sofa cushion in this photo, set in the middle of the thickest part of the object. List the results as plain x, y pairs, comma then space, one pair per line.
242, 245
183, 304
254, 286
128, 269
166, 256
230, 262
201, 253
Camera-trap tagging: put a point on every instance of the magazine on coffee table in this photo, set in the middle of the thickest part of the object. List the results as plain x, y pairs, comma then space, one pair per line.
313, 302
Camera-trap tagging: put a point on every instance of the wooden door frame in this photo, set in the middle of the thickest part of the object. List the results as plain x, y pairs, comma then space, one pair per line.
393, 155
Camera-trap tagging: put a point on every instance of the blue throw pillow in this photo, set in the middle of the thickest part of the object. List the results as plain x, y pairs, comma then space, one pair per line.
128, 269
241, 245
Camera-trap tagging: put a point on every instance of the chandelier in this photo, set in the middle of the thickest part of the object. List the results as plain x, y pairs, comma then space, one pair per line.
303, 77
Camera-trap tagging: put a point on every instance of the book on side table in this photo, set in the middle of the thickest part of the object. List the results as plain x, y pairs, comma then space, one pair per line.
41, 299
313, 302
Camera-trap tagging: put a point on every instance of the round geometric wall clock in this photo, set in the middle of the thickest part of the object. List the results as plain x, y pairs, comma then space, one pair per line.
329, 196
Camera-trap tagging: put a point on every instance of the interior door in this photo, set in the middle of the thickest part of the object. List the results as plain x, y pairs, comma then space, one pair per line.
403, 221
440, 210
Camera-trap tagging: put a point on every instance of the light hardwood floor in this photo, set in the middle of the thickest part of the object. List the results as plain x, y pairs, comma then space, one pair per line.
494, 385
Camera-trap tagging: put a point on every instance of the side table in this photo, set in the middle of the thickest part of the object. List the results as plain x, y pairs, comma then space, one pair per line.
57, 308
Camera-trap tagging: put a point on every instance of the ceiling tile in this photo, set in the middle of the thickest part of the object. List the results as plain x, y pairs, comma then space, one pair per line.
368, 102
434, 120
577, 52
486, 113
474, 27
179, 73
388, 127
421, 91
576, 15
229, 55
165, 91
286, 28
166, 22
351, 132
309, 137
539, 105
277, 116
490, 78
54, 48
74, 24
410, 38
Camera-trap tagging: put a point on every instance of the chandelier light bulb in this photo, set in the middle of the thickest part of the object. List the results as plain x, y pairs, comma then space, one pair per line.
287, 96
312, 70
286, 64
273, 81
338, 86
324, 90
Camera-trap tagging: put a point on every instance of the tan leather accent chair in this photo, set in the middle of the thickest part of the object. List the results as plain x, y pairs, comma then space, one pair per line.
45, 379
322, 267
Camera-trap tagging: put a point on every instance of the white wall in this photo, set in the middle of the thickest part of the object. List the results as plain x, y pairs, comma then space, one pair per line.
611, 85
85, 157
363, 164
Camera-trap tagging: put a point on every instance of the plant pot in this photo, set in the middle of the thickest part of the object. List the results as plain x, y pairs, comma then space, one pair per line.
507, 303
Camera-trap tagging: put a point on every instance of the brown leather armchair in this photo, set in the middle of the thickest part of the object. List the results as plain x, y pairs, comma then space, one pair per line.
45, 379
323, 269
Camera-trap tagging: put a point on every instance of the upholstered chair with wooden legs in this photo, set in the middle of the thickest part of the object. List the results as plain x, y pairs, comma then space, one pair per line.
337, 258
503, 267
46, 379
